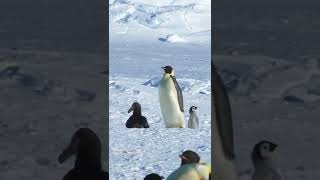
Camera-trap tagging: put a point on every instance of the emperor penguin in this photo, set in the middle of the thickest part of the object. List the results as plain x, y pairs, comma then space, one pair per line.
191, 168
188, 157
171, 100
193, 122
262, 157
86, 145
136, 120
223, 145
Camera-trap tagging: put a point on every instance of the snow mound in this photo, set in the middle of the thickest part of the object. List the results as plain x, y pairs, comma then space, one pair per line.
124, 12
186, 85
153, 82
173, 38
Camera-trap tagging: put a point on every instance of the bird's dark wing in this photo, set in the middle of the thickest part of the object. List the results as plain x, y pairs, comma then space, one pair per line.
222, 114
145, 122
179, 93
130, 122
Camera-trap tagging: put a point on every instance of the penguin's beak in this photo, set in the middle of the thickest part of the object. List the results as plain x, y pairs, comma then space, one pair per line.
65, 155
70, 150
183, 157
273, 147
163, 67
131, 109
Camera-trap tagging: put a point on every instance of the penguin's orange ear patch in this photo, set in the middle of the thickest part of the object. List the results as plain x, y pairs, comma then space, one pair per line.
183, 157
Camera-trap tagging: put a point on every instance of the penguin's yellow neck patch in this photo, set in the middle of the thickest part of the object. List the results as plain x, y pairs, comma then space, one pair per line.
166, 76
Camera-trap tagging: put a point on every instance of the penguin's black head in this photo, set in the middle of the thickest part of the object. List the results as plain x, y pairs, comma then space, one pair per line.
167, 69
135, 107
188, 157
263, 150
153, 176
193, 109
86, 145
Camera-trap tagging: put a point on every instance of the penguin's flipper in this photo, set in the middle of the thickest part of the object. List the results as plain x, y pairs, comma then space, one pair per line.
179, 92
223, 114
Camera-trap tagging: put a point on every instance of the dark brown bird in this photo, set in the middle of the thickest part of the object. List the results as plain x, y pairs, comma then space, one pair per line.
86, 145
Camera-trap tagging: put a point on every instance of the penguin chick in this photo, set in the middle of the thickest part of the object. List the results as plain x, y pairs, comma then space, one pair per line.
262, 158
193, 119
136, 120
153, 176
86, 145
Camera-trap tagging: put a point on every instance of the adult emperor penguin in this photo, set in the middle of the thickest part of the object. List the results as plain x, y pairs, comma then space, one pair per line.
86, 145
171, 100
136, 120
193, 122
262, 157
223, 146
188, 157
191, 168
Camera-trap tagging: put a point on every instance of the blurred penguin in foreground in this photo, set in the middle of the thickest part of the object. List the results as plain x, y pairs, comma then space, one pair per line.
191, 168
86, 146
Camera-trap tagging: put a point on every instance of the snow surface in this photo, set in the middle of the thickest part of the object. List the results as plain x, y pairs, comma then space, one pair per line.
144, 36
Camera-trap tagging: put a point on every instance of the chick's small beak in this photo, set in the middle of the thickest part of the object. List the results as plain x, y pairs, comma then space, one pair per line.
273, 147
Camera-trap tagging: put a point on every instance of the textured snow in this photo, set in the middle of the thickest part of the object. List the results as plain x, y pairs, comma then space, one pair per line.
173, 21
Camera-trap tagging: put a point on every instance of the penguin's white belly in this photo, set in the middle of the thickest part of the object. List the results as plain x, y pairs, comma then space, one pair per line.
190, 172
170, 109
193, 122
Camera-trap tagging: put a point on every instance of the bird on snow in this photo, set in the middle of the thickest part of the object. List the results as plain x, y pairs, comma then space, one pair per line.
171, 100
188, 157
86, 145
136, 120
191, 168
263, 161
193, 122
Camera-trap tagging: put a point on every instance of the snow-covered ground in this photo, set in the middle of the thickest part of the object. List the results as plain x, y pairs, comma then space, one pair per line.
144, 36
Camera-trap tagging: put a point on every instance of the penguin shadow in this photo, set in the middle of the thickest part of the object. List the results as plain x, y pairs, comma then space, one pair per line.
191, 168
86, 146
262, 155
136, 120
